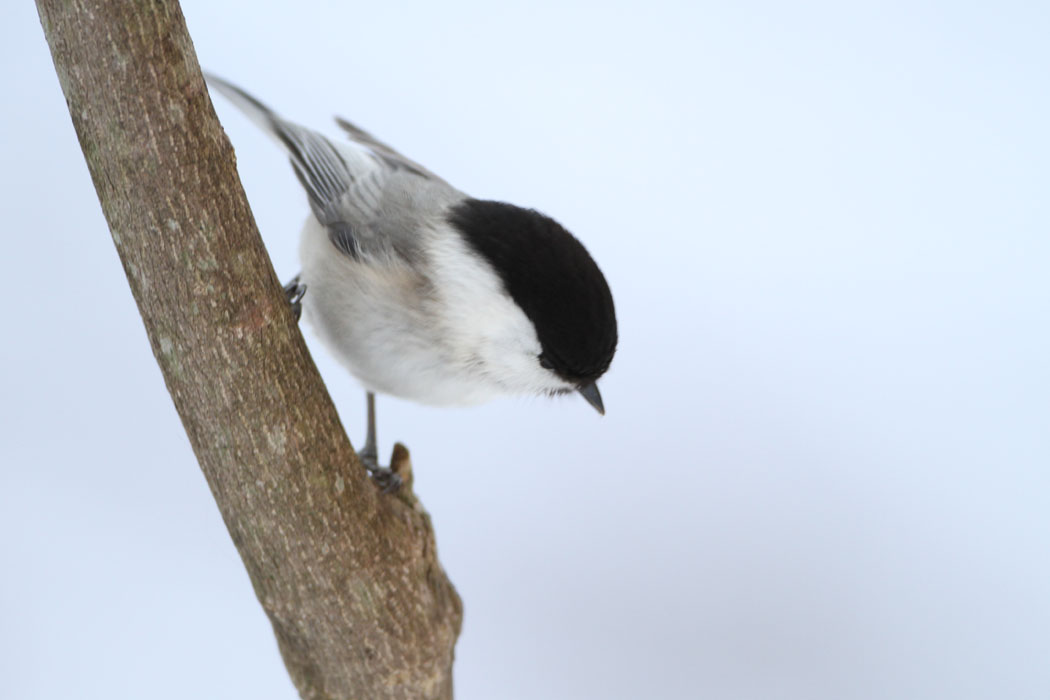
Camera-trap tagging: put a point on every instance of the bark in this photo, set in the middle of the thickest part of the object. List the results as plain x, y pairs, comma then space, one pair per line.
348, 576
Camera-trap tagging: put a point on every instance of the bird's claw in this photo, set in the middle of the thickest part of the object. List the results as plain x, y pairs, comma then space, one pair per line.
294, 292
386, 479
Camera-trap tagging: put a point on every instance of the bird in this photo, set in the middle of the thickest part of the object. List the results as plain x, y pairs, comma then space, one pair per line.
425, 293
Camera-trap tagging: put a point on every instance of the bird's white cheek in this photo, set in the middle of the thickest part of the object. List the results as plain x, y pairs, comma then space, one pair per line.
488, 330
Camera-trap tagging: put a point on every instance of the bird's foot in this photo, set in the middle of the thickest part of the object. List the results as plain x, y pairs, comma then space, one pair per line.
294, 292
386, 479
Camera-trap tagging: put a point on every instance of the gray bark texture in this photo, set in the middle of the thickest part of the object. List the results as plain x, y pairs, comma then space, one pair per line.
348, 576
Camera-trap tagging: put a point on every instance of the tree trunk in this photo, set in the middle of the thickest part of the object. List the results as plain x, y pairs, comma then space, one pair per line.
349, 577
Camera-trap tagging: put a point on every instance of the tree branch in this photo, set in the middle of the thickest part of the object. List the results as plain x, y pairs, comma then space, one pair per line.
349, 578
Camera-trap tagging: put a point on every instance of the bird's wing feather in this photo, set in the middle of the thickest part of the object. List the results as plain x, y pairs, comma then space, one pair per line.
346, 185
390, 155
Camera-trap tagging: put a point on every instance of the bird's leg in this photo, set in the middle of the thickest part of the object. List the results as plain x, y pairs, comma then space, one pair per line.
293, 292
368, 453
369, 456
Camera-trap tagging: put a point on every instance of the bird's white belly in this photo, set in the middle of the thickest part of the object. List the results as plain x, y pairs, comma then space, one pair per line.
441, 330
378, 322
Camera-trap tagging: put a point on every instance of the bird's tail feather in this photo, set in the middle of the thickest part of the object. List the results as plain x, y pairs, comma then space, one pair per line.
260, 115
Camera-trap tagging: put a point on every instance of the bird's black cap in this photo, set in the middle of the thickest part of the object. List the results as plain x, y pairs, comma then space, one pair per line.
554, 280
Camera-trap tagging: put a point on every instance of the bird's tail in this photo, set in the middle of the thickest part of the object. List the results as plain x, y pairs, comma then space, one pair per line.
260, 115
324, 170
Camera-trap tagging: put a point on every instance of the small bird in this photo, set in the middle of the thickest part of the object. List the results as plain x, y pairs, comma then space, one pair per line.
425, 293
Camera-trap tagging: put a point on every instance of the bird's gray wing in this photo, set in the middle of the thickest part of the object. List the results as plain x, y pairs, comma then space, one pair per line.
390, 155
346, 186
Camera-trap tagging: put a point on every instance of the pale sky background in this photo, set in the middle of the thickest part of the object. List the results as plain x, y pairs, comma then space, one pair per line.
825, 468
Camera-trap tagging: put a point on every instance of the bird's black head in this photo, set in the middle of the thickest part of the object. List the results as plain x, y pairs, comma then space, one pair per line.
550, 275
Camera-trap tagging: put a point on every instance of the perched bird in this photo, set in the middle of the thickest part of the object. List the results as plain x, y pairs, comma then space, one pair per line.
427, 294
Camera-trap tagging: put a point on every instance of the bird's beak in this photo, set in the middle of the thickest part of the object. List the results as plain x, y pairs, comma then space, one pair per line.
590, 392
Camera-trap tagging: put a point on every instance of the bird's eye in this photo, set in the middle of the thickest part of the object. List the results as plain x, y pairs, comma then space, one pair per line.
545, 363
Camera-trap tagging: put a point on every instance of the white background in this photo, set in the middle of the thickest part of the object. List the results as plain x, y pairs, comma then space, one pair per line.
824, 469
